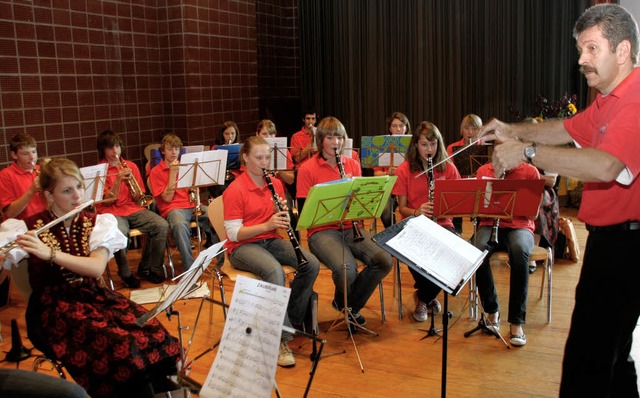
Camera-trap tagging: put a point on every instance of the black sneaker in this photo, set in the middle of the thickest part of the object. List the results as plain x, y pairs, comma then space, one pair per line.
154, 278
358, 318
131, 282
143, 273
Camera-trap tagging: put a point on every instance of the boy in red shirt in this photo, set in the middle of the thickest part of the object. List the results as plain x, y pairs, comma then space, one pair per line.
19, 184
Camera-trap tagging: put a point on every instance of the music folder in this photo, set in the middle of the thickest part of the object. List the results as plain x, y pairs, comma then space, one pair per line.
436, 253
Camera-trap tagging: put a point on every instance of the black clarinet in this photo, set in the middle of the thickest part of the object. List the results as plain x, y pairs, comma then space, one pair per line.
357, 235
432, 185
492, 243
292, 236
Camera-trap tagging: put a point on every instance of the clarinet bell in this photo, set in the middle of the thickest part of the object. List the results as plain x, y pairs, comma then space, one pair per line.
17, 352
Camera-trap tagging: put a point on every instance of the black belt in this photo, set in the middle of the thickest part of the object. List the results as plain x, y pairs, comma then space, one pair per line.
625, 226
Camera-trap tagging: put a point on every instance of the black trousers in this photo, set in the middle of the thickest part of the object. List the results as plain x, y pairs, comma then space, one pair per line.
596, 358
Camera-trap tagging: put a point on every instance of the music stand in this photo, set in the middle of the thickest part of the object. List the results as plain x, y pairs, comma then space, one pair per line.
414, 239
94, 180
197, 170
340, 201
488, 198
183, 288
383, 150
469, 160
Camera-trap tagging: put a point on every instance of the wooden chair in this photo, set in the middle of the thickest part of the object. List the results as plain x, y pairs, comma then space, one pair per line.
216, 218
538, 254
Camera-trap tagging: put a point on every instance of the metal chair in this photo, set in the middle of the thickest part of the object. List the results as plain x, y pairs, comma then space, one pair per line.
537, 254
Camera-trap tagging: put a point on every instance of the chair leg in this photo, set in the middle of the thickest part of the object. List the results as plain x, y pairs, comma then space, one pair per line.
111, 285
398, 289
169, 263
383, 312
41, 359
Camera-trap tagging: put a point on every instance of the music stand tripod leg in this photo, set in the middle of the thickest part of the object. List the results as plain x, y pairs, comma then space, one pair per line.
482, 325
346, 313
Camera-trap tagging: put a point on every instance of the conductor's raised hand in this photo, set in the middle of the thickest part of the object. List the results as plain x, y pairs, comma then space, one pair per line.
496, 131
508, 155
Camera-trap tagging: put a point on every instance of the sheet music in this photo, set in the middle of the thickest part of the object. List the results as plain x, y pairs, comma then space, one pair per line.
187, 280
436, 250
94, 178
385, 159
245, 365
211, 169
347, 148
194, 148
278, 149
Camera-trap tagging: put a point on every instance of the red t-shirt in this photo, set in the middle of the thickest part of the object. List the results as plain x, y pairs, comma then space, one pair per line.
417, 189
299, 141
611, 124
158, 179
14, 182
244, 200
317, 171
522, 172
125, 205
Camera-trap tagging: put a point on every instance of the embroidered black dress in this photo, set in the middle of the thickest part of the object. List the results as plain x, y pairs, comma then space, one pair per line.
88, 328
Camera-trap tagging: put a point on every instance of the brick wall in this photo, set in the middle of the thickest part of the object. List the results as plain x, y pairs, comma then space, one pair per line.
70, 69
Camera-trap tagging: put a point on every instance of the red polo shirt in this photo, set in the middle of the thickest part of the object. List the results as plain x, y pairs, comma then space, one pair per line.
159, 179
317, 171
244, 200
611, 124
14, 182
417, 189
125, 205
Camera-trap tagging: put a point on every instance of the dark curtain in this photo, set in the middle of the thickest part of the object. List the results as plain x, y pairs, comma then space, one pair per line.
436, 60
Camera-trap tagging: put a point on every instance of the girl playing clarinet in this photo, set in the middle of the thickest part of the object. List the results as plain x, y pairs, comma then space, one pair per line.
415, 198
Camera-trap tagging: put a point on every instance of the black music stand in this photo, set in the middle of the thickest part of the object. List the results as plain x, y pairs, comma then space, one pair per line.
345, 200
426, 238
488, 198
469, 160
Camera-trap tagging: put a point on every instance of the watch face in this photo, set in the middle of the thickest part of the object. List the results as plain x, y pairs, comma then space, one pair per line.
530, 152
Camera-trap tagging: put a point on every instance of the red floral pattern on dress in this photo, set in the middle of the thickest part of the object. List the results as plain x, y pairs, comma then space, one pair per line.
89, 329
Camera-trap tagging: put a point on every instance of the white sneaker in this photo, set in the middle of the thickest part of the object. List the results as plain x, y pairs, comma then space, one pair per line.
421, 312
285, 357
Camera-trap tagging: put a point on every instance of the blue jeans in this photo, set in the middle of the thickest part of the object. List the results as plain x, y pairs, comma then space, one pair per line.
156, 229
334, 251
179, 220
265, 259
518, 243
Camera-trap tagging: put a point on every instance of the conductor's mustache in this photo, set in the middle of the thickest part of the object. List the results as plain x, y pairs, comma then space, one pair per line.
587, 69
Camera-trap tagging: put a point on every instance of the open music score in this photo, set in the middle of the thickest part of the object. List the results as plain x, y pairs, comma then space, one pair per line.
94, 178
280, 156
245, 365
199, 169
439, 255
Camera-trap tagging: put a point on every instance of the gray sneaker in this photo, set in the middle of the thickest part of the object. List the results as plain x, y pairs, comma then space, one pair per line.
285, 356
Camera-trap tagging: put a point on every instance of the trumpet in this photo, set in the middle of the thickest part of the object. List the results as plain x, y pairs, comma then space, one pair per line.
137, 193
357, 235
195, 198
292, 236
14, 243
